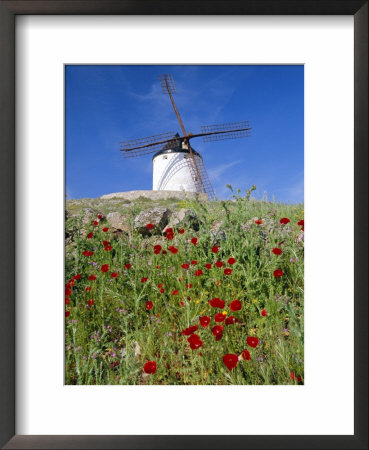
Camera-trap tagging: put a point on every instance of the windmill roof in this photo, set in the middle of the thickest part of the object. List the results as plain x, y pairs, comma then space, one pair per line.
177, 149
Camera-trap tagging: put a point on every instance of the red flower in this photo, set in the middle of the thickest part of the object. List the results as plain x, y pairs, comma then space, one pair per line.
143, 280
194, 241
217, 330
301, 223
96, 223
105, 229
160, 285
227, 271
194, 262
215, 249
278, 273
149, 305
169, 234
208, 266
161, 291
188, 285
235, 305
182, 303
88, 289
219, 317
164, 252
277, 251
114, 275
169, 230
127, 266
264, 313
90, 302
195, 341
108, 248
198, 273
231, 261
245, 355
231, 320
175, 292
230, 360
67, 301
204, 321
86, 253
252, 341
284, 220
149, 226
67, 313
157, 249
89, 236
219, 264
217, 303
150, 367
181, 231
190, 330
92, 277
104, 267
294, 377
219, 337
258, 222
77, 277
173, 249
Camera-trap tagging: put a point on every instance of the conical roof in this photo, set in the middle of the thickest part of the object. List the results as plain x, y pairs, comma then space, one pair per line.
177, 149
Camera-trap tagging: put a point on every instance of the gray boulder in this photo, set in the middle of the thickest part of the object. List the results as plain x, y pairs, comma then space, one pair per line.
217, 232
158, 217
118, 223
184, 218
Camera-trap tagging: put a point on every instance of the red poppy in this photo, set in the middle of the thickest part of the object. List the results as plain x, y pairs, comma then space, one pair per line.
86, 253
99, 216
67, 301
96, 223
258, 222
169, 230
252, 341
150, 367
92, 277
235, 305
70, 283
227, 271
169, 234
208, 266
284, 221
294, 377
278, 273
181, 231
217, 303
188, 285
108, 248
175, 292
195, 341
143, 280
160, 285
89, 236
245, 355
301, 223
68, 291
127, 266
190, 330
157, 249
90, 302
158, 266
88, 289
149, 305
230, 360
114, 275
182, 303
231, 261
105, 229
215, 249
104, 267
194, 262
173, 249
219, 337
67, 313
77, 277
194, 241
161, 291
217, 330
219, 264
277, 251
264, 312
231, 320
198, 273
204, 321
149, 226
219, 317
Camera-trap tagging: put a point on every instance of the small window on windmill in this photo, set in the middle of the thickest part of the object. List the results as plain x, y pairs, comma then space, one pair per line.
165, 157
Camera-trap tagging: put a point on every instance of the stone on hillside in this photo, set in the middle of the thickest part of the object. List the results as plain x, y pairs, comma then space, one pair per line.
118, 222
184, 218
158, 217
88, 216
217, 232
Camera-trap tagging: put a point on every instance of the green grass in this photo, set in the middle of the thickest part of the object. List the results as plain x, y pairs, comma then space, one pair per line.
110, 341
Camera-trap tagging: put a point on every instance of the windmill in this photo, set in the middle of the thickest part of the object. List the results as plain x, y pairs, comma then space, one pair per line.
176, 165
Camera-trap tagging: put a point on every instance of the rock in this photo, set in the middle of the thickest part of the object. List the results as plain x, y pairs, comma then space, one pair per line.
184, 218
155, 195
118, 222
216, 231
158, 217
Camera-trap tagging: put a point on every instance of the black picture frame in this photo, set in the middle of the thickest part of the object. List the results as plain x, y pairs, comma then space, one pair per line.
8, 11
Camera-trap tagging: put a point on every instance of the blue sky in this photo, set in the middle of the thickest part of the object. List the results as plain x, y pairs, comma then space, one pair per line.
107, 104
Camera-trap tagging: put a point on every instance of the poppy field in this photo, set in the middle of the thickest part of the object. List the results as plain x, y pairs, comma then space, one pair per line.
186, 305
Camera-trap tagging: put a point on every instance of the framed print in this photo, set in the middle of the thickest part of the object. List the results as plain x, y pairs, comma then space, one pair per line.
132, 301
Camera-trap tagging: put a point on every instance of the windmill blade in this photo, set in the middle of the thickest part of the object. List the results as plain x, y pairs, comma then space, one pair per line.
225, 131
200, 176
149, 144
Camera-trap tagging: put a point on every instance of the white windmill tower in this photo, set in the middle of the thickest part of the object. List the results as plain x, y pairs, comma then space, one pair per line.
176, 165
